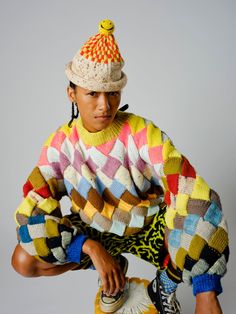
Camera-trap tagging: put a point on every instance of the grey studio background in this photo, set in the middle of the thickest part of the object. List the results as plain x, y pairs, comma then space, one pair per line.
180, 62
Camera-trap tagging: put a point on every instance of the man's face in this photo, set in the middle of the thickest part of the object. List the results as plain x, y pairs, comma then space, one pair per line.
97, 109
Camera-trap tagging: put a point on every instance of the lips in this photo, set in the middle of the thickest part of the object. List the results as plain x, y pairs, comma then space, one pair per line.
103, 117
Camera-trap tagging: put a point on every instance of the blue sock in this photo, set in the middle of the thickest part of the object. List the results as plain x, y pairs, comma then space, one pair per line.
169, 286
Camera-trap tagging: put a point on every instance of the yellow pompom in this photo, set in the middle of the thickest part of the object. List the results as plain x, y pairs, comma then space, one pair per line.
106, 27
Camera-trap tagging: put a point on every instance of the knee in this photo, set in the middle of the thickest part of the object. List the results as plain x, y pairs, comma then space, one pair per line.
23, 263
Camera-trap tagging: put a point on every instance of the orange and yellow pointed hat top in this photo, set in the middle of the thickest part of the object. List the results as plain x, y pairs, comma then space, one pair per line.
102, 47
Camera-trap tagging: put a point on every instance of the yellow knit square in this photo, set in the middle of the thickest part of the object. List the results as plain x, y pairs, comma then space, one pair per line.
180, 257
65, 129
49, 139
125, 206
164, 181
175, 154
26, 207
53, 186
136, 124
75, 207
219, 240
41, 246
36, 179
48, 205
108, 210
168, 148
196, 246
154, 137
145, 203
90, 210
181, 204
201, 190
170, 215
51, 228
173, 166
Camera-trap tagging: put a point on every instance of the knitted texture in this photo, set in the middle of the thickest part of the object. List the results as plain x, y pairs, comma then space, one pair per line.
116, 179
168, 285
97, 65
74, 251
206, 282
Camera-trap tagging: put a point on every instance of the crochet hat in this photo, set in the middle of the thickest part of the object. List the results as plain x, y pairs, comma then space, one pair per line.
97, 65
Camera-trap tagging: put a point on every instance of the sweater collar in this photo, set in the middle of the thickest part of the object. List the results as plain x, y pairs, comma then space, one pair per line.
103, 136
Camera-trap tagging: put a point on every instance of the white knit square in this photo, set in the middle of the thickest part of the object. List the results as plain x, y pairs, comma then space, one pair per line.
88, 175
186, 276
105, 179
37, 231
138, 176
123, 176
52, 154
143, 152
97, 157
199, 268
186, 185
72, 176
65, 238
68, 149
204, 229
132, 150
159, 169
47, 172
173, 251
223, 224
186, 241
59, 254
118, 151
29, 247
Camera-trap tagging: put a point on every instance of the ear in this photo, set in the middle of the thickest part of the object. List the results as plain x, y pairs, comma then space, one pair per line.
71, 94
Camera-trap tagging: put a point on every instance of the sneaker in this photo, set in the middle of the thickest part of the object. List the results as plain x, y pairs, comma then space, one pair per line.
164, 302
111, 303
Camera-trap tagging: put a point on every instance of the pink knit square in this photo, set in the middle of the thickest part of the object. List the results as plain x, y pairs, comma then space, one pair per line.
155, 154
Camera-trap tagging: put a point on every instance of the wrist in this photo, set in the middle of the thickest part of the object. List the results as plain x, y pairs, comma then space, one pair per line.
90, 246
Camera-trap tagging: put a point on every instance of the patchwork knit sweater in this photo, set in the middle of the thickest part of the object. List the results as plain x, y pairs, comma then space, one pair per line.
116, 180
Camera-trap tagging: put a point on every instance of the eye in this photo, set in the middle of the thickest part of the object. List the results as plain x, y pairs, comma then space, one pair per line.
92, 93
114, 94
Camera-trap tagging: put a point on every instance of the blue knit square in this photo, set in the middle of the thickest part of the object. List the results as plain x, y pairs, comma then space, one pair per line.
84, 187
34, 220
117, 189
68, 186
24, 234
190, 223
100, 186
175, 238
213, 214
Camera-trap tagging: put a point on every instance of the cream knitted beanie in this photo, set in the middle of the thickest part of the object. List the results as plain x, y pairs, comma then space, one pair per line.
97, 65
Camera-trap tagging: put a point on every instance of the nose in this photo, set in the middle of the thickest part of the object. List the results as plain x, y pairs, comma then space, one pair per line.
103, 103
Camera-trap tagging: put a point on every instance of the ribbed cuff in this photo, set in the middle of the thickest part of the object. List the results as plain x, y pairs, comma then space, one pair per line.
74, 250
206, 282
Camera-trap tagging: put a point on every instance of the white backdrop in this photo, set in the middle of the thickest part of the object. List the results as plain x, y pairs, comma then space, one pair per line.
180, 62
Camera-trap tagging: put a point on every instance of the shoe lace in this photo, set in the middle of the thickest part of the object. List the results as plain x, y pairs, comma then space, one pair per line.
170, 303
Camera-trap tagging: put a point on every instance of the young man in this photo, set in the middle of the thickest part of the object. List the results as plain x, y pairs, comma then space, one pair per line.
131, 191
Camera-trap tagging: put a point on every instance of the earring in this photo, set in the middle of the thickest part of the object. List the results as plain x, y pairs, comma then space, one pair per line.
123, 108
73, 114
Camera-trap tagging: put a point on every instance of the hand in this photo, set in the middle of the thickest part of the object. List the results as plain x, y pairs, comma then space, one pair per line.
112, 277
207, 303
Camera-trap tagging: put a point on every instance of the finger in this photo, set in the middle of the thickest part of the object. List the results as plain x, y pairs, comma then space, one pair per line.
112, 284
118, 281
105, 283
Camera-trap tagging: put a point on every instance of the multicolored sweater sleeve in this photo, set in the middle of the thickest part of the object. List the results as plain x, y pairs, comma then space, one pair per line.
42, 230
196, 228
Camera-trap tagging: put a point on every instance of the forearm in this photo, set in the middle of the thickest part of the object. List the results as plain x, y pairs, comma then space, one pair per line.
207, 303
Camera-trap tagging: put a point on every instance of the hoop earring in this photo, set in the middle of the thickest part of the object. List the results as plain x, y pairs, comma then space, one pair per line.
74, 114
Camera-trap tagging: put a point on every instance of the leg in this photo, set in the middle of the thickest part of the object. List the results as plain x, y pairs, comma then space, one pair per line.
28, 266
